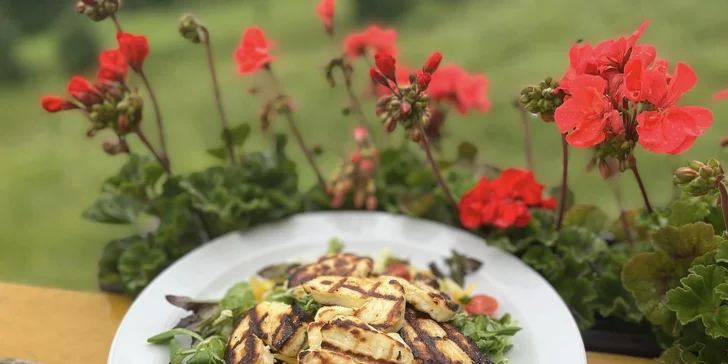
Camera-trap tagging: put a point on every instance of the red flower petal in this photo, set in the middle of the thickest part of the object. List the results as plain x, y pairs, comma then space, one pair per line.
135, 49
432, 63
253, 52
325, 10
56, 104
681, 82
386, 64
720, 95
112, 66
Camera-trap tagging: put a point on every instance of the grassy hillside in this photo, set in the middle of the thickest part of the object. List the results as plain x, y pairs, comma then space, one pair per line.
51, 171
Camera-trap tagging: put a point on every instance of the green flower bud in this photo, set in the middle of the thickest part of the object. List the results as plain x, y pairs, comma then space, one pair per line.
190, 28
548, 81
695, 165
713, 163
685, 175
706, 171
524, 99
558, 101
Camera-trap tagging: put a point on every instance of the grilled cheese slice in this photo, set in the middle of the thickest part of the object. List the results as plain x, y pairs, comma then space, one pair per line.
347, 339
340, 265
439, 343
427, 299
274, 325
378, 302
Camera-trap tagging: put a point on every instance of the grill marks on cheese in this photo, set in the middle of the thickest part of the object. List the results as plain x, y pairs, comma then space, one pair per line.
439, 343
347, 339
339, 265
273, 325
378, 302
429, 300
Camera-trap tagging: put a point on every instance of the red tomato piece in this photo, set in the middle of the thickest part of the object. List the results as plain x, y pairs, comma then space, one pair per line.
398, 270
481, 304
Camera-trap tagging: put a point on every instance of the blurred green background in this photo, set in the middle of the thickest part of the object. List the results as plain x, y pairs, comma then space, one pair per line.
51, 171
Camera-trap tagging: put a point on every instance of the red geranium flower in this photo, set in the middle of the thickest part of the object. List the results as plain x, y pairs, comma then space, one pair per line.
504, 201
464, 91
720, 95
56, 104
253, 52
386, 64
670, 129
82, 90
589, 113
112, 66
373, 39
402, 74
325, 10
135, 49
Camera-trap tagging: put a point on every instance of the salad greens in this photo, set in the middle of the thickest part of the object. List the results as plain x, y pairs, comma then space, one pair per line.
493, 336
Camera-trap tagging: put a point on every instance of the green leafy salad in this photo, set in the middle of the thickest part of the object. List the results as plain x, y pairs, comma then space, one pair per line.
344, 307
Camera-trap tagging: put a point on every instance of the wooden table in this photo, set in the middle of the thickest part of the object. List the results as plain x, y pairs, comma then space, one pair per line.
54, 326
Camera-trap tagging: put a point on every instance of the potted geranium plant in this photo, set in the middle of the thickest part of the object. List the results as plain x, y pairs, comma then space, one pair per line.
659, 274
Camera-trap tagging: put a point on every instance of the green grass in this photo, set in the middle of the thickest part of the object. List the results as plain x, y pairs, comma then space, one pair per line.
52, 172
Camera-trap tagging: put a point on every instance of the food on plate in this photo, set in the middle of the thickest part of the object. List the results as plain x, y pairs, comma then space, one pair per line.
346, 308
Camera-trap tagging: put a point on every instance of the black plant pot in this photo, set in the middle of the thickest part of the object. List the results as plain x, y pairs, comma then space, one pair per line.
618, 337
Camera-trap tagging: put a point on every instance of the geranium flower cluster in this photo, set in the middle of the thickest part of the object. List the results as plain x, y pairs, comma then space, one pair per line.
618, 94
358, 174
253, 53
109, 102
97, 10
406, 104
504, 201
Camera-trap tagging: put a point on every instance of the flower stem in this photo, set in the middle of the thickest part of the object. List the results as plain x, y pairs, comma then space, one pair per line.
564, 181
297, 133
622, 214
355, 103
227, 135
723, 196
158, 114
526, 134
633, 166
116, 23
435, 168
306, 151
149, 146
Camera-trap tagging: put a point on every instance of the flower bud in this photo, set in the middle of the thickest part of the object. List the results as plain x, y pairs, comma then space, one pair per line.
356, 157
432, 63
377, 77
405, 109
386, 65
713, 163
416, 135
383, 101
190, 28
604, 170
338, 200
685, 175
371, 203
367, 167
695, 165
423, 80
390, 124
706, 172
359, 198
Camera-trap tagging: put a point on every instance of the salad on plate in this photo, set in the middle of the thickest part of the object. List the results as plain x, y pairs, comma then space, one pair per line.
345, 308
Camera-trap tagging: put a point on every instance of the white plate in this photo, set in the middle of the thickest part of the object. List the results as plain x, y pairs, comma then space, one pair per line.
549, 333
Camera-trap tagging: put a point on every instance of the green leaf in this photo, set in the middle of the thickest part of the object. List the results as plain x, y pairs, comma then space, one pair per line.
700, 296
677, 355
170, 334
580, 244
688, 211
579, 294
685, 243
137, 178
239, 134
139, 264
467, 151
335, 246
721, 255
278, 294
543, 260
492, 336
108, 274
220, 152
587, 216
239, 298
648, 276
210, 351
713, 351
555, 192
177, 354
180, 228
418, 206
114, 209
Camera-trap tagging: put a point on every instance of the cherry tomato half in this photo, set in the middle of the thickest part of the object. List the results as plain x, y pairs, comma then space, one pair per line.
398, 270
481, 304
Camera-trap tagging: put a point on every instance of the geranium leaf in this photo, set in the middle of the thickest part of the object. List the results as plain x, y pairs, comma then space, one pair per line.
579, 243
239, 134
467, 151
108, 275
721, 254
685, 243
114, 209
699, 296
677, 355
543, 260
139, 264
648, 276
688, 211
219, 153
714, 351
555, 192
588, 216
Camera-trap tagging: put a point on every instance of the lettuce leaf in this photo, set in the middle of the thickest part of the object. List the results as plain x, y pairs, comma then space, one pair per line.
493, 336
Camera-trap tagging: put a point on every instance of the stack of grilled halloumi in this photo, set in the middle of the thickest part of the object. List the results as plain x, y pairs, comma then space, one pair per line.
364, 319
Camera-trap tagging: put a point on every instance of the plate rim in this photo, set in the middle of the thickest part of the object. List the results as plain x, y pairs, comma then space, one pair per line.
190, 256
